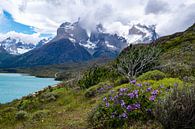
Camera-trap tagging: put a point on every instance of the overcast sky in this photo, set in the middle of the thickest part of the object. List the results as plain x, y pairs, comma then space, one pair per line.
42, 17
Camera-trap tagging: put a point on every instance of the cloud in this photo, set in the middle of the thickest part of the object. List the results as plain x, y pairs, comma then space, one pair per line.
27, 38
46, 15
156, 7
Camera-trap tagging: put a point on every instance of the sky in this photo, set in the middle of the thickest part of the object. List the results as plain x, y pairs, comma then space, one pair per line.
35, 19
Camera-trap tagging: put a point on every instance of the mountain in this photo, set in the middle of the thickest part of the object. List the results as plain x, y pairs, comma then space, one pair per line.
141, 34
42, 42
55, 52
72, 44
3, 55
18, 46
101, 43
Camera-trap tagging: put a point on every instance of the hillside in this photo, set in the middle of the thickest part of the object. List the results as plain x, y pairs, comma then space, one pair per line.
103, 98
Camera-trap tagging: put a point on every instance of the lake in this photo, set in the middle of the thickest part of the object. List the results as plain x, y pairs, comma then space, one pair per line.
14, 86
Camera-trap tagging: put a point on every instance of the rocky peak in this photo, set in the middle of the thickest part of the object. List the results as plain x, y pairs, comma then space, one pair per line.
72, 31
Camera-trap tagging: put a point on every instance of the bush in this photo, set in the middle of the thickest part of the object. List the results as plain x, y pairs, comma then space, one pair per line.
124, 106
38, 115
177, 69
48, 97
21, 116
95, 75
177, 111
28, 104
101, 88
152, 75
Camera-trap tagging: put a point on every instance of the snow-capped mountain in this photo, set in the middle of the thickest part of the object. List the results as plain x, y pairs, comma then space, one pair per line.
100, 42
141, 34
17, 46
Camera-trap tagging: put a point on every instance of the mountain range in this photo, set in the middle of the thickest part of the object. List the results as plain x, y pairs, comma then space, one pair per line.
72, 44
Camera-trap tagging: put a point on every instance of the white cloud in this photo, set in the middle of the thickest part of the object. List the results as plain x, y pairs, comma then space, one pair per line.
47, 15
27, 38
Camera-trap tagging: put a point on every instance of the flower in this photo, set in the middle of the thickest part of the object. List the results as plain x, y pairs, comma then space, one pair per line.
107, 104
122, 103
154, 92
129, 108
124, 115
133, 81
131, 95
149, 89
152, 98
136, 93
104, 99
123, 89
137, 105
175, 84
111, 98
139, 84
149, 110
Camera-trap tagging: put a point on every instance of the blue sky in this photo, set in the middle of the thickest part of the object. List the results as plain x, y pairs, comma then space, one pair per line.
8, 24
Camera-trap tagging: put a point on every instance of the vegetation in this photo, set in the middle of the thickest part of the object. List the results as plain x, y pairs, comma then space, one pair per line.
157, 93
137, 60
177, 111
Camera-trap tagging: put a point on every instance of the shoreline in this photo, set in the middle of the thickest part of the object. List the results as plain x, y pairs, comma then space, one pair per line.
34, 92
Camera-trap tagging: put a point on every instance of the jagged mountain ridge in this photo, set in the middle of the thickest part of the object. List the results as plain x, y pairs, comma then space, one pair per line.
100, 41
73, 44
17, 46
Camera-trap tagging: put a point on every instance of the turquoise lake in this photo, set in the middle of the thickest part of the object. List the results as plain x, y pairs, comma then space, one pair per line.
14, 86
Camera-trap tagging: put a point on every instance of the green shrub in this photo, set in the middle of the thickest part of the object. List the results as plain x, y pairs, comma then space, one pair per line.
177, 69
21, 115
101, 88
120, 81
28, 104
95, 75
39, 115
177, 111
48, 97
152, 75
124, 106
130, 103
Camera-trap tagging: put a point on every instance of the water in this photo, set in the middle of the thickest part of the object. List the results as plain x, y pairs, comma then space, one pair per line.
14, 86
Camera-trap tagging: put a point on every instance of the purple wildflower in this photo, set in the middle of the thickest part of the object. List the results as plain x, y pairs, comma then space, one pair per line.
154, 92
137, 105
175, 84
115, 97
131, 95
104, 99
149, 110
149, 89
123, 89
129, 108
136, 93
122, 103
139, 84
124, 115
111, 98
133, 81
152, 98
107, 104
